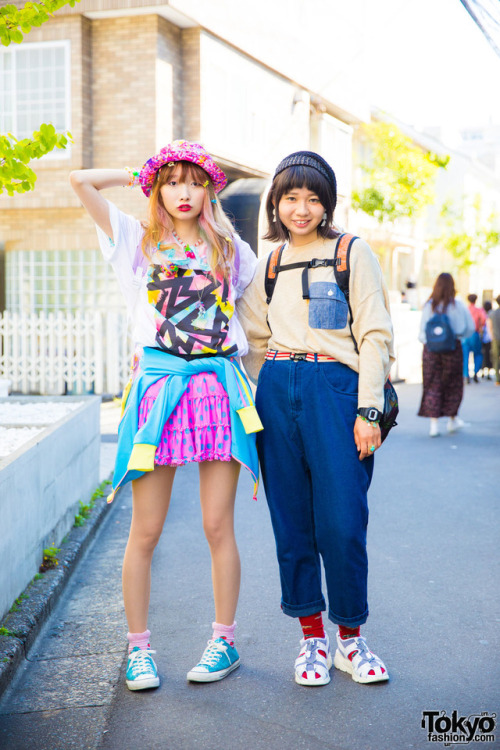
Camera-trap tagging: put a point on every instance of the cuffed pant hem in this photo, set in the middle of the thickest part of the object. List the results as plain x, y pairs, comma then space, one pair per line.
303, 610
350, 621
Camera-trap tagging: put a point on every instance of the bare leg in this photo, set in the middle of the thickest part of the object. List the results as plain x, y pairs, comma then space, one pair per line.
218, 481
150, 501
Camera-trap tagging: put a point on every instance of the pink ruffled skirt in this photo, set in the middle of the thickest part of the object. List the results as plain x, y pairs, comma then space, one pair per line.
199, 428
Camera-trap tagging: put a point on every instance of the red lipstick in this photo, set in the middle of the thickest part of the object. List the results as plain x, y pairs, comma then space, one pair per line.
184, 207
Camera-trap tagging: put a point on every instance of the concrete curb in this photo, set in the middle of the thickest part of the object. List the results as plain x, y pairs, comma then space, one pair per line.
43, 594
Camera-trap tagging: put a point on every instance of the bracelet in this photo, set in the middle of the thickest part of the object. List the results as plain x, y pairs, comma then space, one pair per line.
368, 421
133, 177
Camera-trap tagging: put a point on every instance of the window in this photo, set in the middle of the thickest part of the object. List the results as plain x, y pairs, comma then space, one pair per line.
35, 88
55, 280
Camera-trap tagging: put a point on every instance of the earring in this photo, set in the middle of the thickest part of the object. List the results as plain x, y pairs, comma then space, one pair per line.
324, 220
274, 216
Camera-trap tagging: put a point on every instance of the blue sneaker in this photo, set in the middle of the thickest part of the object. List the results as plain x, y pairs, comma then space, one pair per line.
219, 658
141, 670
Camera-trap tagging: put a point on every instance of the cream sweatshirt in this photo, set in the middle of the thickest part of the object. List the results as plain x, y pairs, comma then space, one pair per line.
284, 323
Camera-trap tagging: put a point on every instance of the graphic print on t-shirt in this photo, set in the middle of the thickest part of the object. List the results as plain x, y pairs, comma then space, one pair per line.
192, 310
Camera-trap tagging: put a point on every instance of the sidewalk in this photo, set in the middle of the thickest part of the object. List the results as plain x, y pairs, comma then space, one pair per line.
434, 571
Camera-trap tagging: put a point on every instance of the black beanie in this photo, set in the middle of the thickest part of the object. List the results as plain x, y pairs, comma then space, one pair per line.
310, 159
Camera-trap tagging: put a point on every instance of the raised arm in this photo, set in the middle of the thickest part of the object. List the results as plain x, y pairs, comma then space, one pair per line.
88, 182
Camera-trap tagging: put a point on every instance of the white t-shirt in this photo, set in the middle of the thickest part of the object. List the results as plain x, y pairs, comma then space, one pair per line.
172, 300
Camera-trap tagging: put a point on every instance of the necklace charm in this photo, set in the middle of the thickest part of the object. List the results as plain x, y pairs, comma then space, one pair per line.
185, 246
200, 322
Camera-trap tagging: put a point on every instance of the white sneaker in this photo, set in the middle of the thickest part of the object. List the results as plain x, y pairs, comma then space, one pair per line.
354, 657
434, 429
455, 423
313, 664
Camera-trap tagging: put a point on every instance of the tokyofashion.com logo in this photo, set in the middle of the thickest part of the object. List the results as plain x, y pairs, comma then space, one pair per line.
457, 729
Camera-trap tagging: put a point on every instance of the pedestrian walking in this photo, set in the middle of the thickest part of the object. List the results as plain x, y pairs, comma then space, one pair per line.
320, 398
188, 400
443, 383
486, 363
493, 325
472, 344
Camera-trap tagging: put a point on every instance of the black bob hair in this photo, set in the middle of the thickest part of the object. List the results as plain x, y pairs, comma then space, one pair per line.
298, 177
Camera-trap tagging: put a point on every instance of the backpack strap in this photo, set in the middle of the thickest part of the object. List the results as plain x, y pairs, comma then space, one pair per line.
341, 267
272, 270
314, 263
342, 270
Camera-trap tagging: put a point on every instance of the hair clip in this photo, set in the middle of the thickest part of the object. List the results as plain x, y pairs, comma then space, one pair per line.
214, 200
133, 177
171, 164
206, 184
228, 239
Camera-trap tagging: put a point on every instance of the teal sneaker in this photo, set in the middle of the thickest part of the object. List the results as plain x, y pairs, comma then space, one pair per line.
141, 670
219, 658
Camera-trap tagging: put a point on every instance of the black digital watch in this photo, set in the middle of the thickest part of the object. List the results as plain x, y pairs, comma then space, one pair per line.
371, 414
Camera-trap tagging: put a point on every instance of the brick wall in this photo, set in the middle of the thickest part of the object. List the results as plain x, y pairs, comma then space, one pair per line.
113, 113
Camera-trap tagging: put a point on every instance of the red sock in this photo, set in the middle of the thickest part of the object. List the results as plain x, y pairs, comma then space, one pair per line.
348, 632
312, 626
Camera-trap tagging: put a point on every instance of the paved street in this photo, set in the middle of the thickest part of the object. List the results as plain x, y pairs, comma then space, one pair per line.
435, 613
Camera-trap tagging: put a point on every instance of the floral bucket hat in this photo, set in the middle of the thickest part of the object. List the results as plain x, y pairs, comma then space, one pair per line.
181, 151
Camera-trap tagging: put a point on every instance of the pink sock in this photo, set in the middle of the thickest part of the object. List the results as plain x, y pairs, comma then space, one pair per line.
224, 631
138, 639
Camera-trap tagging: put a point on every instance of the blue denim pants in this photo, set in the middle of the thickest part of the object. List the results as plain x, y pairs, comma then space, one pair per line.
316, 486
472, 344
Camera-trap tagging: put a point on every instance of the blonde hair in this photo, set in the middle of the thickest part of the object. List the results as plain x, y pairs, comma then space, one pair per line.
215, 227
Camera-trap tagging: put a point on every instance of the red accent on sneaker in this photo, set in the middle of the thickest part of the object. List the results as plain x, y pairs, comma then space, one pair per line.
372, 671
323, 653
352, 654
312, 626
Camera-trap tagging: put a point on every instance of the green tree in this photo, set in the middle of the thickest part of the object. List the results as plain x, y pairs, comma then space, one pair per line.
467, 247
16, 176
396, 176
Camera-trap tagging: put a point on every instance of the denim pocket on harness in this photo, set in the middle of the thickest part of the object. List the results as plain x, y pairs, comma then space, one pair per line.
327, 306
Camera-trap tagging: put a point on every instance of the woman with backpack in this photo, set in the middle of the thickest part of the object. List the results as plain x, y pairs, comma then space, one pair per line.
442, 358
321, 361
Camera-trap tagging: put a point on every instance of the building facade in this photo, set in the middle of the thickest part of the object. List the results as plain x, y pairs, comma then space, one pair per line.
125, 79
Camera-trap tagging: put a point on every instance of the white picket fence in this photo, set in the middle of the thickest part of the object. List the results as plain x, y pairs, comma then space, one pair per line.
57, 353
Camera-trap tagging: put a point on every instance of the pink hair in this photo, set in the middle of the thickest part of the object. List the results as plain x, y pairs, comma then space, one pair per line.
214, 225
